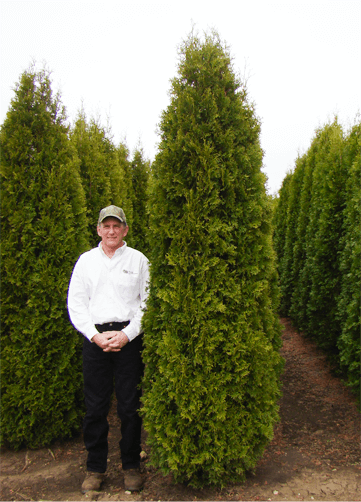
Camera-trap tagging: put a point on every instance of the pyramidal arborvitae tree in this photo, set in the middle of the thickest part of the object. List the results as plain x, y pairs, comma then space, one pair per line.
280, 217
349, 299
122, 152
101, 174
43, 231
300, 244
212, 337
317, 280
140, 170
325, 247
286, 263
301, 274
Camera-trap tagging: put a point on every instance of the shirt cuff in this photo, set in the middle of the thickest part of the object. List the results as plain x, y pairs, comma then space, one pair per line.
90, 335
130, 332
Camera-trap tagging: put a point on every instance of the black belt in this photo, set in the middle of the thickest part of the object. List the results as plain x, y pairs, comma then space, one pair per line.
111, 326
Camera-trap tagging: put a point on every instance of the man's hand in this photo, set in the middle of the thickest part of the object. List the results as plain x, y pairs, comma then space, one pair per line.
111, 341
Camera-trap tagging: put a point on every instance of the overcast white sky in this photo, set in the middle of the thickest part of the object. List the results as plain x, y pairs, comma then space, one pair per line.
302, 60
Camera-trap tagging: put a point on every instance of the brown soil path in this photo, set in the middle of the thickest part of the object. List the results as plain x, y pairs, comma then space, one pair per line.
315, 454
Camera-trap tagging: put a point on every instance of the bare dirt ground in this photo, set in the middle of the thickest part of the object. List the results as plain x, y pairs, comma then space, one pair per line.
315, 453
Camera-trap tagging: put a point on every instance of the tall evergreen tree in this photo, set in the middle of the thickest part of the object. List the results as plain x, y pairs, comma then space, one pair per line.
297, 309
280, 218
308, 221
301, 279
128, 199
349, 299
286, 261
315, 273
43, 231
211, 333
101, 174
325, 237
140, 170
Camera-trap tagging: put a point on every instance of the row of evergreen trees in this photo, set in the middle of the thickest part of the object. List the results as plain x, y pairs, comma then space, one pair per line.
54, 180
317, 240
212, 336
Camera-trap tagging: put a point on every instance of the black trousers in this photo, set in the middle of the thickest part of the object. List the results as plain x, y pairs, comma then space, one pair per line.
102, 371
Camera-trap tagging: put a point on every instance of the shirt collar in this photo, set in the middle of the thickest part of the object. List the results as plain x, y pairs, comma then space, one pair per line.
118, 252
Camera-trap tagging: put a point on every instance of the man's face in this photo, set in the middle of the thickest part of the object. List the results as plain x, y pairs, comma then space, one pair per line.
112, 232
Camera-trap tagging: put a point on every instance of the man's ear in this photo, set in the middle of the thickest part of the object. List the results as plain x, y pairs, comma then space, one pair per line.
98, 230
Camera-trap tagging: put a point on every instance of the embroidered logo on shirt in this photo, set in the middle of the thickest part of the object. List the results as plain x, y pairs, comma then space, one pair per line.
128, 271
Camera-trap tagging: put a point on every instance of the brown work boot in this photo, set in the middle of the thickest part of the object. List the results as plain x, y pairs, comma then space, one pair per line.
133, 480
92, 481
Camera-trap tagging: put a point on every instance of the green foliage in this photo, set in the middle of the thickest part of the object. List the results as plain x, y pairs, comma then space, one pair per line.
43, 229
140, 170
286, 271
325, 238
319, 279
311, 276
298, 303
211, 383
349, 298
280, 218
127, 189
320, 267
101, 173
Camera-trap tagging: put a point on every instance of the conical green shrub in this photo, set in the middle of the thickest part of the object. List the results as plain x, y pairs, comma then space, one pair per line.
321, 272
101, 174
297, 308
212, 336
43, 231
330, 177
286, 265
140, 171
349, 299
280, 218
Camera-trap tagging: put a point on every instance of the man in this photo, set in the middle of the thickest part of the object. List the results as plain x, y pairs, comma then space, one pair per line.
106, 300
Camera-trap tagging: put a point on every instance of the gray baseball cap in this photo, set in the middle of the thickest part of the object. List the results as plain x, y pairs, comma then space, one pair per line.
114, 211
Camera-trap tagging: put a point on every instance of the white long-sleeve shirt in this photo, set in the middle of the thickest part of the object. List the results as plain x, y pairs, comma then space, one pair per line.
104, 289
